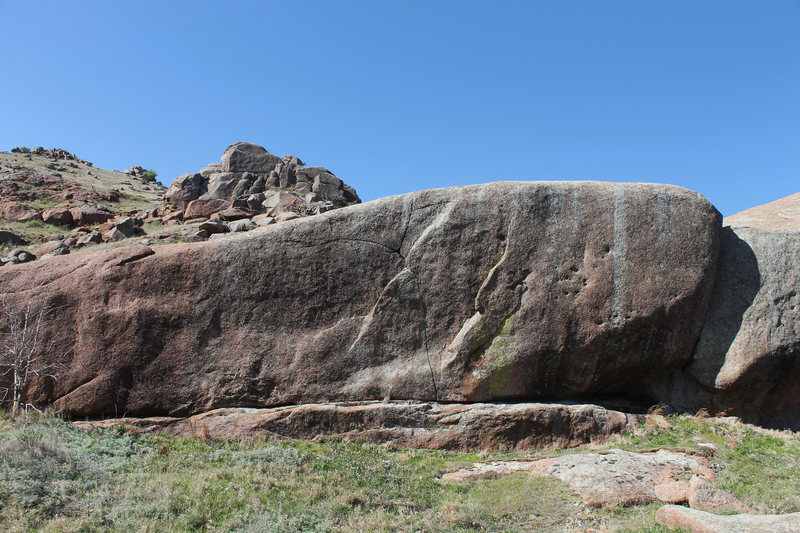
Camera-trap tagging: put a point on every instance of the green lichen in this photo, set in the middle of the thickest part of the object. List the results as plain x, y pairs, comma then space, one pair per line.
497, 362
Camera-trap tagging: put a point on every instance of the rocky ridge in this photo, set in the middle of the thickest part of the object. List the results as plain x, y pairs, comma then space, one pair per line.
65, 203
251, 181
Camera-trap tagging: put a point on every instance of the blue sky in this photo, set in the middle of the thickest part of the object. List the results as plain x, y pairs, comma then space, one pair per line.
401, 96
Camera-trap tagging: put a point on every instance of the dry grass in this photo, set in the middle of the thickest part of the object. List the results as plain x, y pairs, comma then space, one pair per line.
56, 478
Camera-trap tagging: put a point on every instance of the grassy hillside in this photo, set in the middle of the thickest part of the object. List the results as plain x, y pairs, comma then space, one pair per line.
54, 477
140, 194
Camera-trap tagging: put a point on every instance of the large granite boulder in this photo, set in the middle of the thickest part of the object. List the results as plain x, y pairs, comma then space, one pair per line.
248, 157
500, 291
747, 361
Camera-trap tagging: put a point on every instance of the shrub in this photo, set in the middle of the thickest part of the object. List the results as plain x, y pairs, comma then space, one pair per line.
44, 463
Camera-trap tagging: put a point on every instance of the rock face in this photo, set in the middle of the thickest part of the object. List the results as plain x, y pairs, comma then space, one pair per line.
749, 350
747, 361
404, 424
492, 292
783, 214
247, 169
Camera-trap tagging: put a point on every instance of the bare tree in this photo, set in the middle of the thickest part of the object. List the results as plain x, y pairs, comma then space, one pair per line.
24, 353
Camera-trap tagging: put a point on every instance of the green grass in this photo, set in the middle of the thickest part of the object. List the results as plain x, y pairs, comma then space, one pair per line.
30, 231
54, 477
44, 202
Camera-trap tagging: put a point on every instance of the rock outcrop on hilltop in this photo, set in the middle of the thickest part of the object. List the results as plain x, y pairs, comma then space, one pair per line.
254, 181
85, 205
494, 292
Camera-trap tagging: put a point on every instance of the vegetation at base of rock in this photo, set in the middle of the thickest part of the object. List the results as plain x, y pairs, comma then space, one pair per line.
760, 466
54, 477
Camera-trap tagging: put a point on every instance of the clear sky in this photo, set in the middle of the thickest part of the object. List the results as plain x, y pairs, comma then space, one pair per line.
408, 95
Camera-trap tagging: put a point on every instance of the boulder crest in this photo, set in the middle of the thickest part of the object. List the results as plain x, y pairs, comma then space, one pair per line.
247, 170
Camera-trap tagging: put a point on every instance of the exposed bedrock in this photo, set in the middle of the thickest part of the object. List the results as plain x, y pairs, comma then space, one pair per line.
504, 291
515, 426
747, 361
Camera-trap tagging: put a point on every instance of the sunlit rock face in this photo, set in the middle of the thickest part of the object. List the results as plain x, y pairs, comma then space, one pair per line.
511, 290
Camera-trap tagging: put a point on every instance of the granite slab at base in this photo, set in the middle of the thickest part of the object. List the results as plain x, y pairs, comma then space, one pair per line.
408, 424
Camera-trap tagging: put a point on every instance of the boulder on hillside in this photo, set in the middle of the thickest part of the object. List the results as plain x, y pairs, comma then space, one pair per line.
11, 238
491, 292
17, 212
204, 208
90, 214
185, 189
58, 216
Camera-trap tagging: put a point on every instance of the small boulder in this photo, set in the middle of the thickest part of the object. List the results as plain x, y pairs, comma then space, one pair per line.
204, 208
263, 220
17, 212
284, 217
58, 216
281, 202
214, 226
233, 213
184, 189
255, 202
12, 238
51, 248
95, 237
241, 225
20, 256
90, 214
125, 225
60, 249
115, 234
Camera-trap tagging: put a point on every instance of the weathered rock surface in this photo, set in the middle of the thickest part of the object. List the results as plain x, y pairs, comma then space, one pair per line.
695, 521
17, 212
90, 214
783, 214
747, 361
405, 424
615, 477
492, 292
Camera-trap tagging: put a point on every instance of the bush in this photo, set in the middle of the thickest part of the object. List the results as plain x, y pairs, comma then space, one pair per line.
149, 175
21, 150
44, 463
